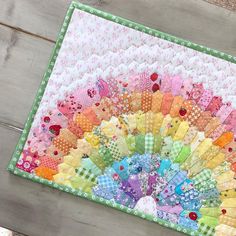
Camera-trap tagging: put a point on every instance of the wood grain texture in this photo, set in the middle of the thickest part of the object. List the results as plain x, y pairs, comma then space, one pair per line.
229, 4
37, 210
41, 17
34, 209
23, 60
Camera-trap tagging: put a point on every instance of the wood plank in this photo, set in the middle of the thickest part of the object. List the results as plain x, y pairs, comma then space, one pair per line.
37, 210
40, 17
23, 60
197, 21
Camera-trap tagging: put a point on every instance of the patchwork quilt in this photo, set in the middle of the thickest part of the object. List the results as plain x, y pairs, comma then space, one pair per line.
137, 120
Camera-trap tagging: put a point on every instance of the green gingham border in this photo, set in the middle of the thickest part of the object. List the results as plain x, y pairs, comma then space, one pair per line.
130, 24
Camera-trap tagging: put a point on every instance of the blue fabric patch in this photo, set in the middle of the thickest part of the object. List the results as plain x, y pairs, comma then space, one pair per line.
164, 167
101, 192
187, 223
190, 195
193, 205
139, 163
184, 187
107, 183
173, 170
122, 168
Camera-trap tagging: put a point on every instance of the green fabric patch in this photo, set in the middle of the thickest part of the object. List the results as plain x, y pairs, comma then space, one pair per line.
140, 143
182, 156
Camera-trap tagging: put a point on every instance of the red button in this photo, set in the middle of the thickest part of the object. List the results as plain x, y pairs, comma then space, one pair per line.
192, 215
115, 176
223, 211
154, 77
46, 119
182, 111
155, 87
55, 129
121, 167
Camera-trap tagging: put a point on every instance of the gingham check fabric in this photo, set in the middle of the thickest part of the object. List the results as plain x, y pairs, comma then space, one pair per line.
149, 142
206, 230
175, 150
205, 185
86, 174
213, 202
178, 178
114, 150
106, 155
202, 176
107, 183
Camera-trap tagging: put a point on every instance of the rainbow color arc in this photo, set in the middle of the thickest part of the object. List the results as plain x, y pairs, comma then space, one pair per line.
158, 144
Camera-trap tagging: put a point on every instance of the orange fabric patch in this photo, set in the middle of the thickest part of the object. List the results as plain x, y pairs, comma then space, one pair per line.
83, 122
166, 103
55, 153
69, 136
224, 139
194, 114
156, 101
230, 151
146, 101
185, 109
91, 115
45, 172
136, 100
49, 162
75, 129
203, 120
176, 105
62, 144
125, 103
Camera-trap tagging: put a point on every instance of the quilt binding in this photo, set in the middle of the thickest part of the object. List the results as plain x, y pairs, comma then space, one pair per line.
16, 155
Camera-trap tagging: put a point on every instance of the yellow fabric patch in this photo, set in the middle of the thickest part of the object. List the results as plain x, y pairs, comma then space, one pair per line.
181, 131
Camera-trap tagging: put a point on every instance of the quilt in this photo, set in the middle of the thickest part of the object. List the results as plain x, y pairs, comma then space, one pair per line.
138, 120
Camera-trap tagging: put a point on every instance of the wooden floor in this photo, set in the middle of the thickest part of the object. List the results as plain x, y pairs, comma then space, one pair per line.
28, 30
